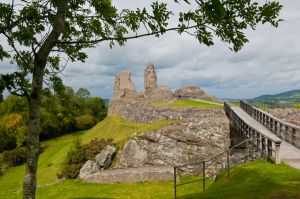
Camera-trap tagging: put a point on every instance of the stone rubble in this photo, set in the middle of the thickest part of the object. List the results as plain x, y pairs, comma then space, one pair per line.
102, 161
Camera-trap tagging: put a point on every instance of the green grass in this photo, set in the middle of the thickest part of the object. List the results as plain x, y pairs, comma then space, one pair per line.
255, 180
187, 103
120, 130
56, 149
146, 190
296, 105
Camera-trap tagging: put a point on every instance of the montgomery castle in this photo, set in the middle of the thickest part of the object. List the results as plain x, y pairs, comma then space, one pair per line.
125, 90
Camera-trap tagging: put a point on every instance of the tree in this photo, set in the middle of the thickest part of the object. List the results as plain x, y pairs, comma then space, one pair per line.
1, 96
83, 93
42, 33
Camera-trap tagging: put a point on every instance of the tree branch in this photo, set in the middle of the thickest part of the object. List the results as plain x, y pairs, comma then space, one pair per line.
124, 38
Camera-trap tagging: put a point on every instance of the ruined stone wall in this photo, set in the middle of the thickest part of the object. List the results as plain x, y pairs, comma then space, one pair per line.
139, 111
201, 134
290, 115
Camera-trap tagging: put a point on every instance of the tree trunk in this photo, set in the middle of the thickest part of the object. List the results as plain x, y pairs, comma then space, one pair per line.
34, 99
34, 102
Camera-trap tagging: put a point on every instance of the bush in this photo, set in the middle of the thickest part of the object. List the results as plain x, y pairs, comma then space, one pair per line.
85, 122
95, 146
14, 157
79, 154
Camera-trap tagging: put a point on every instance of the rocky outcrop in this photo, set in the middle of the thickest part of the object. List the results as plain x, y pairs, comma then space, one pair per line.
88, 168
124, 87
133, 155
290, 115
177, 144
142, 174
104, 158
102, 161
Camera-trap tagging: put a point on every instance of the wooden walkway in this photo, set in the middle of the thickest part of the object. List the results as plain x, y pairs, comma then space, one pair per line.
289, 154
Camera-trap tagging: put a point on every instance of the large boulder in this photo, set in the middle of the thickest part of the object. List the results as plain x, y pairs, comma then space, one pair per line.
104, 158
189, 92
132, 155
102, 161
124, 87
88, 168
200, 136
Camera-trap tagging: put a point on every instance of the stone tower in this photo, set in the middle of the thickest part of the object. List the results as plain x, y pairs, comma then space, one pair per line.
124, 87
150, 78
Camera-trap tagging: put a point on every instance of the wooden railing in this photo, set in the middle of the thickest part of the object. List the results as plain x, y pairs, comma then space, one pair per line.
284, 130
269, 146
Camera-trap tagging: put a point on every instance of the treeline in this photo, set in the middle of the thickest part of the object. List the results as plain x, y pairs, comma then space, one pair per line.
63, 111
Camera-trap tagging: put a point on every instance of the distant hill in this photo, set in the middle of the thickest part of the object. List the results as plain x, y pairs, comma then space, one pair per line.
288, 95
280, 100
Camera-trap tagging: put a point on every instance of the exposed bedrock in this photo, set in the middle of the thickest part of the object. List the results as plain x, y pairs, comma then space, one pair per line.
201, 134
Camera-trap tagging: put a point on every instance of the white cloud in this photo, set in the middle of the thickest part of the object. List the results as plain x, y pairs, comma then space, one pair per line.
268, 64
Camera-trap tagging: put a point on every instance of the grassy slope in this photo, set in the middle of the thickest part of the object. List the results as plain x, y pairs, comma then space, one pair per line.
51, 159
187, 103
255, 180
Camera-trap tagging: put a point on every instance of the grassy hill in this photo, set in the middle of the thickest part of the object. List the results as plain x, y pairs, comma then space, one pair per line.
280, 100
254, 180
55, 151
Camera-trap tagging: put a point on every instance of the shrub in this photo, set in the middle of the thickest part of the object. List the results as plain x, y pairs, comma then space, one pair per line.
85, 122
79, 154
14, 157
296, 105
95, 146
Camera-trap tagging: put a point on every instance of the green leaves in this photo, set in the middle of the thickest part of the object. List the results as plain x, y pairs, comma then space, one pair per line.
218, 8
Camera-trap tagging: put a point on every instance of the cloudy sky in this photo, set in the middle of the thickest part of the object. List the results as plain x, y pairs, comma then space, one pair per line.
268, 64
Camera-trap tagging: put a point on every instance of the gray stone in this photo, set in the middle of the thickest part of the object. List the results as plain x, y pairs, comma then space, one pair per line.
104, 158
290, 115
178, 144
130, 175
160, 93
150, 78
189, 92
132, 155
124, 87
88, 168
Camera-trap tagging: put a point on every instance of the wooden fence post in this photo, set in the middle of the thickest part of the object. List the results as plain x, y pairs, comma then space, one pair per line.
277, 151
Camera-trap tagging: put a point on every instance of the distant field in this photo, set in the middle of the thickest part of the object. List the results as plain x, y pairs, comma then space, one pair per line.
187, 103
